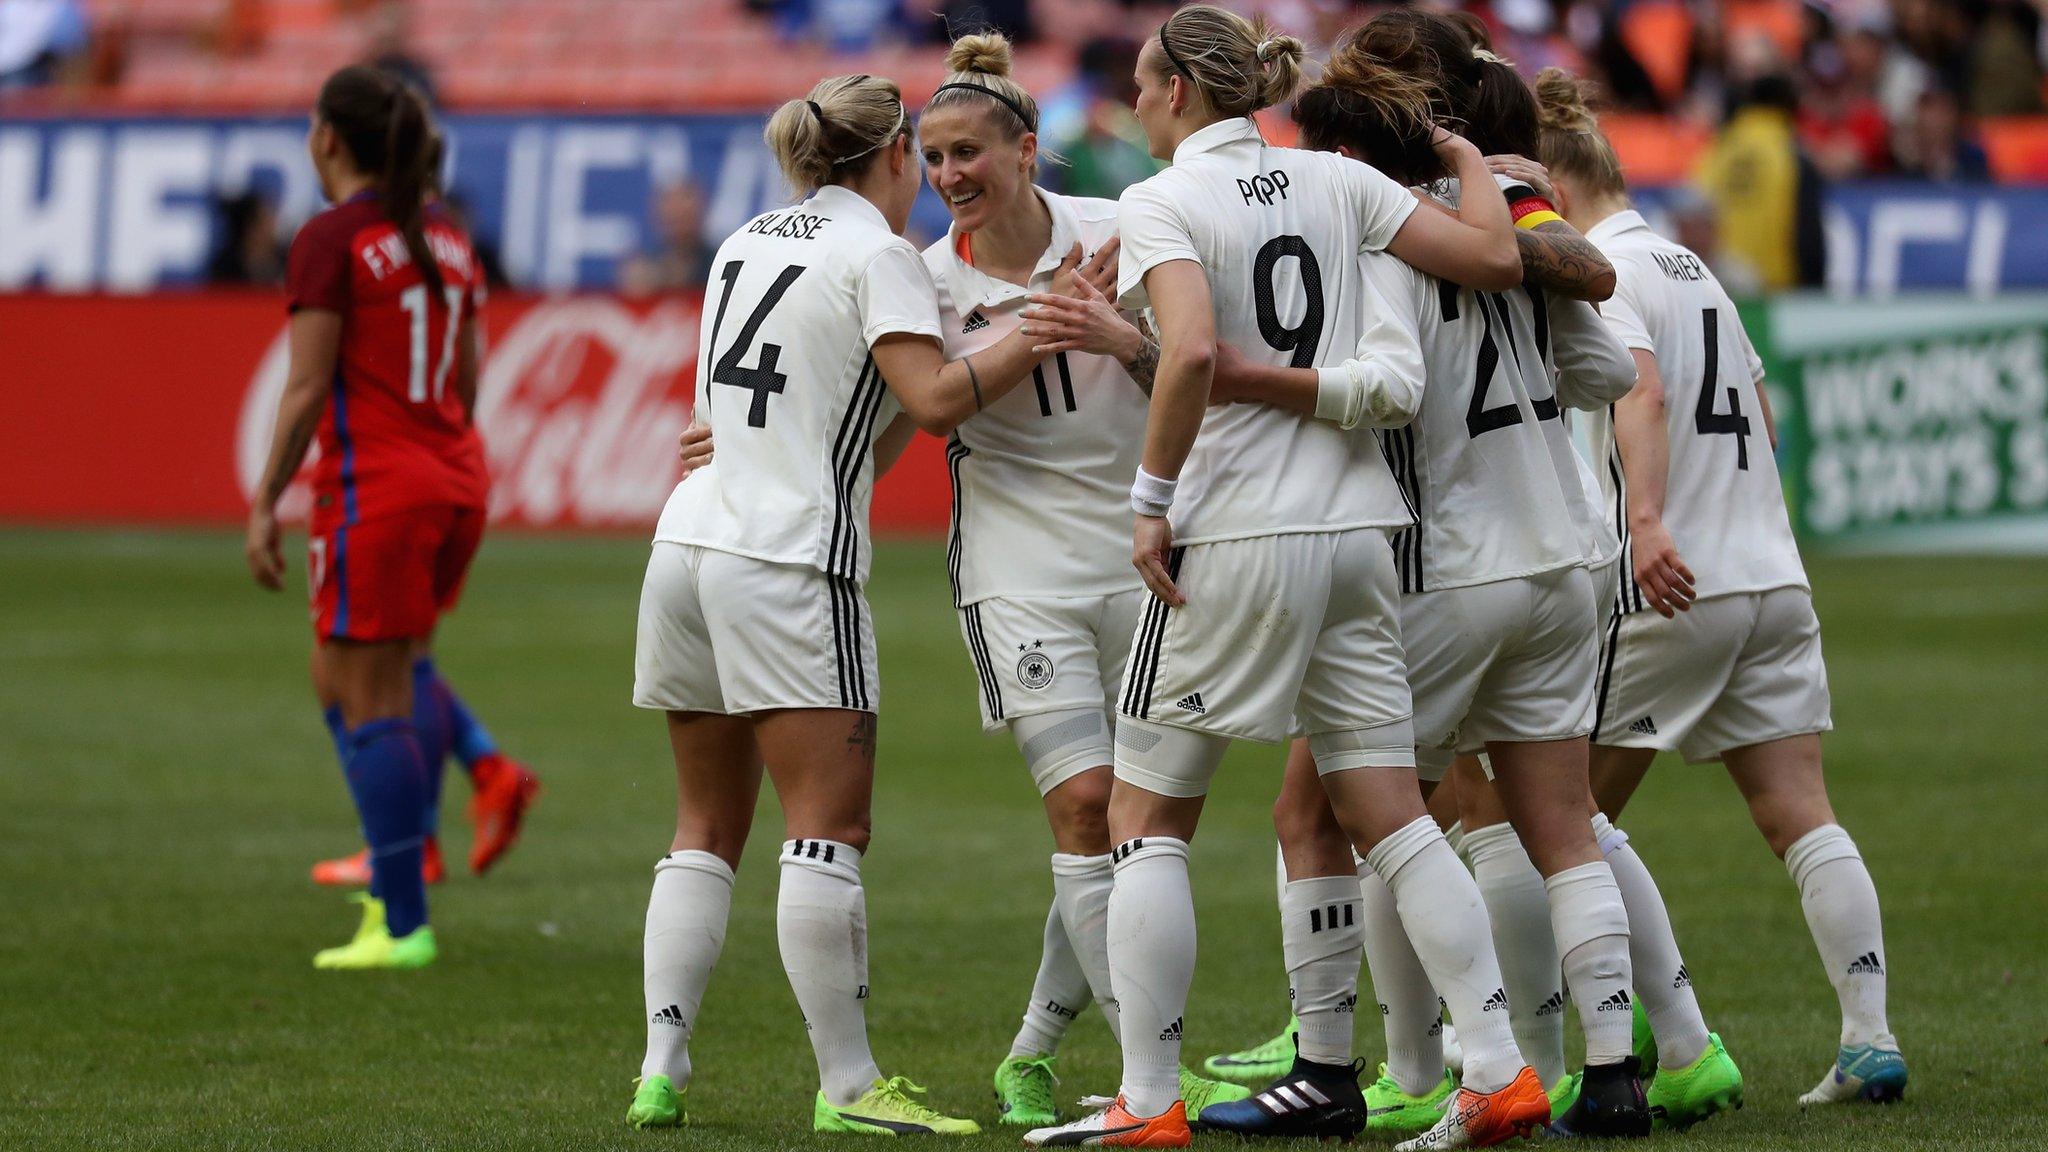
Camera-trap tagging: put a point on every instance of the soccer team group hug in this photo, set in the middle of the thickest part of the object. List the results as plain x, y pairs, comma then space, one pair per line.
1276, 447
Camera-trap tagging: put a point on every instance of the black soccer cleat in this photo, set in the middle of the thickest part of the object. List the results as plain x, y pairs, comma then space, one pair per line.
1321, 1101
1610, 1104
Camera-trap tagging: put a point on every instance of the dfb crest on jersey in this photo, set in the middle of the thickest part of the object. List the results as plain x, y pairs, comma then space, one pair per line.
1034, 668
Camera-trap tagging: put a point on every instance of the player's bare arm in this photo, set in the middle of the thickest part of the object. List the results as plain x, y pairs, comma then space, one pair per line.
938, 393
1476, 247
315, 342
1179, 290
467, 361
893, 442
1642, 439
1556, 257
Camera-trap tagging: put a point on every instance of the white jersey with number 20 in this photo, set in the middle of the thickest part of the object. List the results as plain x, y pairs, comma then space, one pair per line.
784, 380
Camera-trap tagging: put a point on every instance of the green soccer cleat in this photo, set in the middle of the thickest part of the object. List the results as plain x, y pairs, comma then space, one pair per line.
1198, 1093
1565, 1093
1024, 1092
1682, 1097
888, 1110
1257, 1065
1643, 1042
656, 1104
1388, 1109
375, 947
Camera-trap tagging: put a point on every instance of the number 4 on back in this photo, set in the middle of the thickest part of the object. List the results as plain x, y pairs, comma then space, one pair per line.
1705, 420
765, 379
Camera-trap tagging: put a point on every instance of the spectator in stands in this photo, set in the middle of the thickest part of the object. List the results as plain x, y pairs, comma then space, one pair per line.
1936, 146
1764, 188
680, 261
1693, 225
390, 48
1092, 127
2005, 60
42, 42
1840, 121
949, 18
246, 249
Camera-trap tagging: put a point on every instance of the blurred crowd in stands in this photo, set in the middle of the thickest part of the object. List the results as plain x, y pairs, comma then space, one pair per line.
1782, 96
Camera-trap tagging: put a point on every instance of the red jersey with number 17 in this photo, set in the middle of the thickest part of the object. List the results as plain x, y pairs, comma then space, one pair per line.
394, 437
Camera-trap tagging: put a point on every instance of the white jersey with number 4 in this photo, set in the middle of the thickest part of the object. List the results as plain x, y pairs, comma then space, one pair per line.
1041, 478
785, 381
1278, 231
1723, 502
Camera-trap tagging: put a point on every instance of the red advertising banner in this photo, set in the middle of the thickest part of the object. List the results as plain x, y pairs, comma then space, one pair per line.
158, 410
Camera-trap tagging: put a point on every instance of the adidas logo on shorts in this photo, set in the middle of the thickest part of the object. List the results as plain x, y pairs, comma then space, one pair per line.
1683, 979
671, 1015
975, 322
1171, 1031
1644, 727
1552, 1006
1867, 964
1615, 1003
1496, 1002
1192, 702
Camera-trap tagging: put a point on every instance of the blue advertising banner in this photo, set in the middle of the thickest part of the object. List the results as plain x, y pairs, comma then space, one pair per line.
126, 204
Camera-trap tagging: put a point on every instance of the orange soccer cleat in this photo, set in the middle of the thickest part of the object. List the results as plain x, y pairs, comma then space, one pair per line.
1115, 1127
505, 789
354, 871
1474, 1120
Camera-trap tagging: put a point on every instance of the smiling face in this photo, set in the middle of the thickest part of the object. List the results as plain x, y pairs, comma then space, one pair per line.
1155, 99
976, 171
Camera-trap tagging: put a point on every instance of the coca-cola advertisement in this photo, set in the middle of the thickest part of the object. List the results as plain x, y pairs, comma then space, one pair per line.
158, 409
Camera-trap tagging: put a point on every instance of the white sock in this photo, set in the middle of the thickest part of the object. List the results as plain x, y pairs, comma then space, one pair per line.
1080, 890
1151, 963
686, 916
1409, 1009
1057, 995
1320, 936
821, 922
1519, 909
1446, 921
1591, 926
1841, 911
1661, 981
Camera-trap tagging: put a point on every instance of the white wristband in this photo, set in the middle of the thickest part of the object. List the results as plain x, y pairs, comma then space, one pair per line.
1151, 496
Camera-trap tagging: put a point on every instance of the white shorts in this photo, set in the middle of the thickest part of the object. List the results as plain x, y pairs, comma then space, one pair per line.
1733, 671
1281, 635
1507, 660
1049, 654
734, 635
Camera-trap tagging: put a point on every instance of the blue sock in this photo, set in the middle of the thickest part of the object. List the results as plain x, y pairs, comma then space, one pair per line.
388, 778
337, 730
467, 735
430, 723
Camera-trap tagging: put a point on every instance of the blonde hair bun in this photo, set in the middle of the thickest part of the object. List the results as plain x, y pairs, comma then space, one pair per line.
985, 52
1562, 103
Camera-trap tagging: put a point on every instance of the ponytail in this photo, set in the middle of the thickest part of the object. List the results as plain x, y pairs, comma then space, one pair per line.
383, 123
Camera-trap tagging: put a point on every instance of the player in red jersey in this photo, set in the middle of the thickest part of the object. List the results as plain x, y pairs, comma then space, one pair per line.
384, 292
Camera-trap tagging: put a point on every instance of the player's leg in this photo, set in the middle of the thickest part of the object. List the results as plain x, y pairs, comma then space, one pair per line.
1369, 773
718, 780
1518, 908
387, 779
352, 870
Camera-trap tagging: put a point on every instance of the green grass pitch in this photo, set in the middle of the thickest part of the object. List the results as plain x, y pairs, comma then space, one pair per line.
165, 782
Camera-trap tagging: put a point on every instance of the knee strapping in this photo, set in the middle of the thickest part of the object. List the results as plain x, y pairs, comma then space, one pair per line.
1059, 745
1390, 745
1607, 835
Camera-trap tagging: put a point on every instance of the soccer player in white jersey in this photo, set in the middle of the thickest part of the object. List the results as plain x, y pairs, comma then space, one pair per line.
754, 634
1276, 609
1048, 601
1714, 650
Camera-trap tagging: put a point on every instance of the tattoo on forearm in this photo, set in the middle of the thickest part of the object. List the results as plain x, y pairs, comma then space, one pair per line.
1145, 364
1564, 262
862, 738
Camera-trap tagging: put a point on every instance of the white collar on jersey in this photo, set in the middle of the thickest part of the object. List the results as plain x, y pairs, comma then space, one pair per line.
1626, 220
845, 201
1217, 135
972, 288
